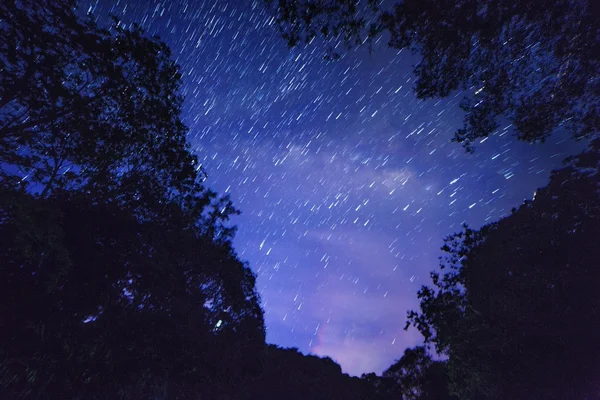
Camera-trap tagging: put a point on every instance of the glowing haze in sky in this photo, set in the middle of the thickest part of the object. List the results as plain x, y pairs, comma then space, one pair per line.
346, 182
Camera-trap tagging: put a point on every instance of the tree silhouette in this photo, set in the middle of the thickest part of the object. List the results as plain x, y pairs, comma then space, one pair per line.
517, 308
418, 377
89, 108
534, 63
119, 277
288, 374
95, 301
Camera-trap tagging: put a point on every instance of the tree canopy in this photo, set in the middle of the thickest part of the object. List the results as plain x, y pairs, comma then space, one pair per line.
92, 109
418, 377
515, 307
288, 374
119, 277
94, 301
533, 63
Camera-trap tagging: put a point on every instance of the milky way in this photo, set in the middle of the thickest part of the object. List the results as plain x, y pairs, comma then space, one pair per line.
347, 182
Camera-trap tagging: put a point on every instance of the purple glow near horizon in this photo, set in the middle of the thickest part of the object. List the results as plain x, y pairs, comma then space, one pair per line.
347, 183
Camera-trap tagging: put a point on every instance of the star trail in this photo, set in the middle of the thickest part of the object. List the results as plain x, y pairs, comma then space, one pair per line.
347, 182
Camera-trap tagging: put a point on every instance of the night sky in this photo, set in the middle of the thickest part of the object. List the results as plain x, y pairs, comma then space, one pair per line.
347, 183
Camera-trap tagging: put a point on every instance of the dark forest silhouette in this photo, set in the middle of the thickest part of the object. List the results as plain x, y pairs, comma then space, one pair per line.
119, 279
516, 306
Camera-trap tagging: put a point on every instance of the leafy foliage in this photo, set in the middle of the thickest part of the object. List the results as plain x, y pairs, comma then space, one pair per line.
517, 309
88, 108
533, 62
119, 277
96, 302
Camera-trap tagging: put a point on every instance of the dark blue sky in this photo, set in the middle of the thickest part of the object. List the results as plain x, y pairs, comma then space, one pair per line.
347, 183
